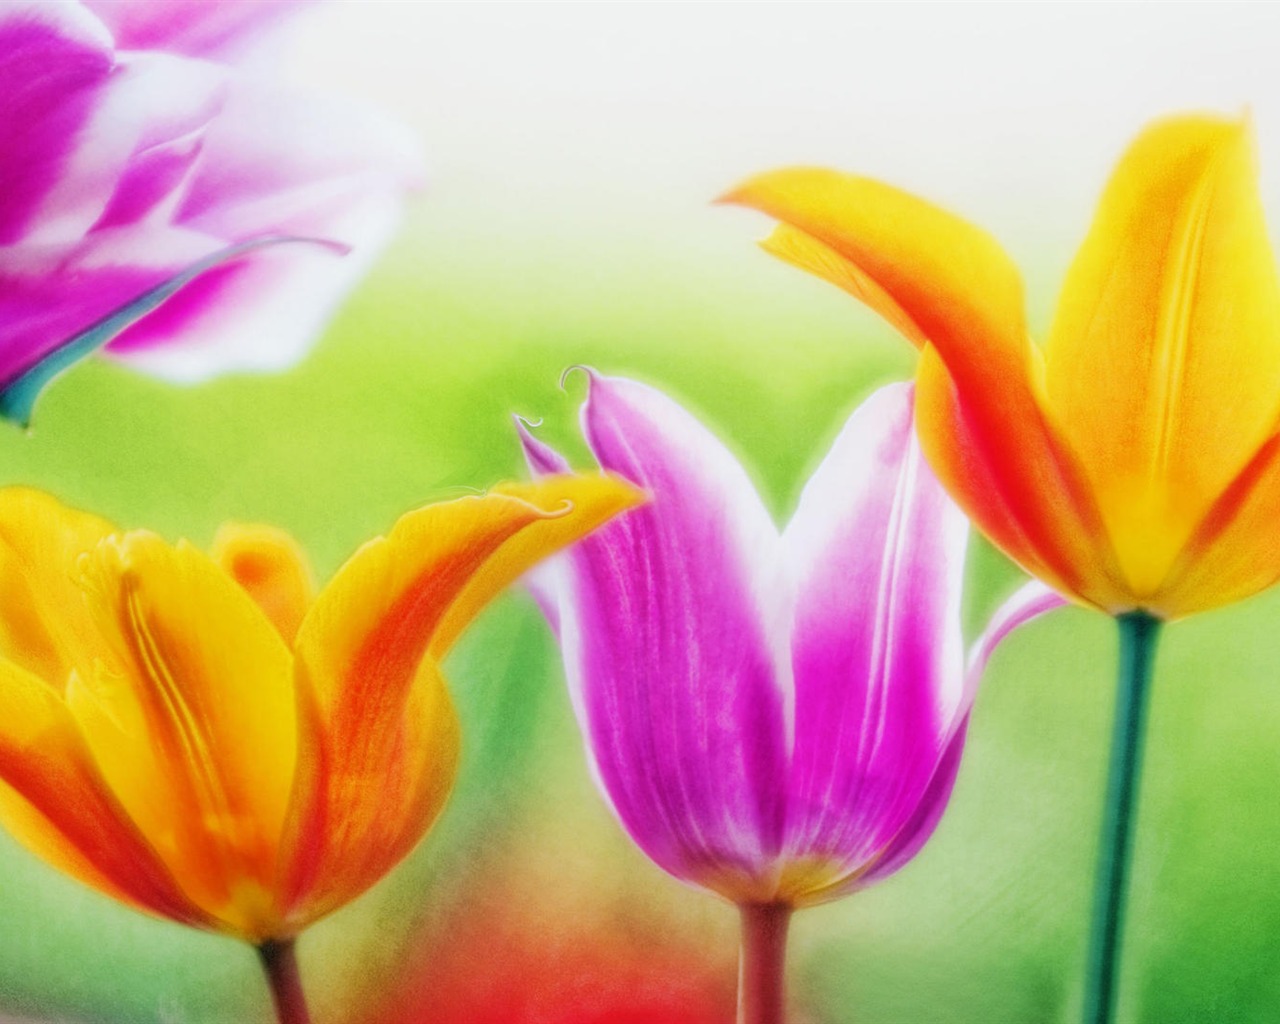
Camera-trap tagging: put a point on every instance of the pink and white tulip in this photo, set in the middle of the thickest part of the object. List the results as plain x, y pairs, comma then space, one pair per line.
140, 160
775, 717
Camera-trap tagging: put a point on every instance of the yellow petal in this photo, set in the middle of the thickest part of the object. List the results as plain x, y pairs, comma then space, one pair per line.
1233, 553
54, 800
272, 568
806, 252
45, 625
193, 721
360, 665
1164, 361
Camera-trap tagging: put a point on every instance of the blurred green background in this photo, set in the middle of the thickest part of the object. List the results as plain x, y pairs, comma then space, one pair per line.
567, 222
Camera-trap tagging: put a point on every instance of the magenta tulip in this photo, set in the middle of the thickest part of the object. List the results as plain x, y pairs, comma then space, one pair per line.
777, 718
137, 167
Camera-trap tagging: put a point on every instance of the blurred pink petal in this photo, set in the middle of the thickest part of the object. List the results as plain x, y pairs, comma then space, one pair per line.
777, 718
214, 29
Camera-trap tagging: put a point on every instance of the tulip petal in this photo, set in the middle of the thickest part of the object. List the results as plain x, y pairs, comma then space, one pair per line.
877, 553
57, 59
272, 569
108, 299
217, 31
941, 280
1164, 361
193, 722
45, 625
54, 800
670, 620
1233, 553
366, 673
1021, 486
907, 258
338, 171
1029, 601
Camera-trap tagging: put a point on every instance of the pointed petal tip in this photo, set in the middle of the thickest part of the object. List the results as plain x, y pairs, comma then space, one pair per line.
540, 457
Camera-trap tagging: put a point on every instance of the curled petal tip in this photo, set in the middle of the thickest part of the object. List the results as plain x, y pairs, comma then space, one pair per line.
591, 374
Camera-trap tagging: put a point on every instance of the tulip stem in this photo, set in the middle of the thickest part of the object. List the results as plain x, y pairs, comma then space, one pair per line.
761, 970
1138, 634
281, 964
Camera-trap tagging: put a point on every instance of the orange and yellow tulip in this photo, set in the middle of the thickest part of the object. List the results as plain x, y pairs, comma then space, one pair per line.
1133, 461
205, 738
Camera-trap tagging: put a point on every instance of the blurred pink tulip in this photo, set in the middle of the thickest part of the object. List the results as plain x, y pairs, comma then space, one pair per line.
140, 165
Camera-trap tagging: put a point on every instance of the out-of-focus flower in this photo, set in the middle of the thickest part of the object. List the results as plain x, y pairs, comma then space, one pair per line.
518, 947
1134, 461
202, 738
131, 166
776, 718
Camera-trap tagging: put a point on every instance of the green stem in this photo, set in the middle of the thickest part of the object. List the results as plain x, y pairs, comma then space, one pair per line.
1138, 634
761, 982
281, 965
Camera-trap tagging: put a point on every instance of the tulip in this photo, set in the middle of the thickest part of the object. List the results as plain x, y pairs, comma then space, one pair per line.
777, 719
132, 170
1134, 461
206, 739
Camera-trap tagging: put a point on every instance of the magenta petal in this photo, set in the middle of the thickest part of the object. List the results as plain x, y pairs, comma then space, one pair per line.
669, 644
877, 553
55, 60
919, 827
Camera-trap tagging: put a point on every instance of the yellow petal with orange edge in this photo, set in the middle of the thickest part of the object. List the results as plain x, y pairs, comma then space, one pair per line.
574, 506
45, 625
1163, 365
194, 723
55, 801
272, 568
385, 778
398, 600
1235, 551
804, 251
934, 275
1019, 484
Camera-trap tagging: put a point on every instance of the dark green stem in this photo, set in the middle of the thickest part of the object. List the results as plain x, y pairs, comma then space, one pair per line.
761, 970
1138, 634
281, 964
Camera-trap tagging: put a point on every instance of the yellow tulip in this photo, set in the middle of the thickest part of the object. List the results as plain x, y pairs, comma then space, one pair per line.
207, 739
1133, 461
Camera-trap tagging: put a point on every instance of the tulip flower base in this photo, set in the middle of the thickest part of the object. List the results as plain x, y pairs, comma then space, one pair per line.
280, 962
1138, 635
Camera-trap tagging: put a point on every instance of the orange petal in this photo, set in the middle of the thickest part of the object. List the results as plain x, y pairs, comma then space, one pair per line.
376, 789
272, 568
931, 274
193, 721
1164, 361
45, 625
1020, 485
54, 800
360, 664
